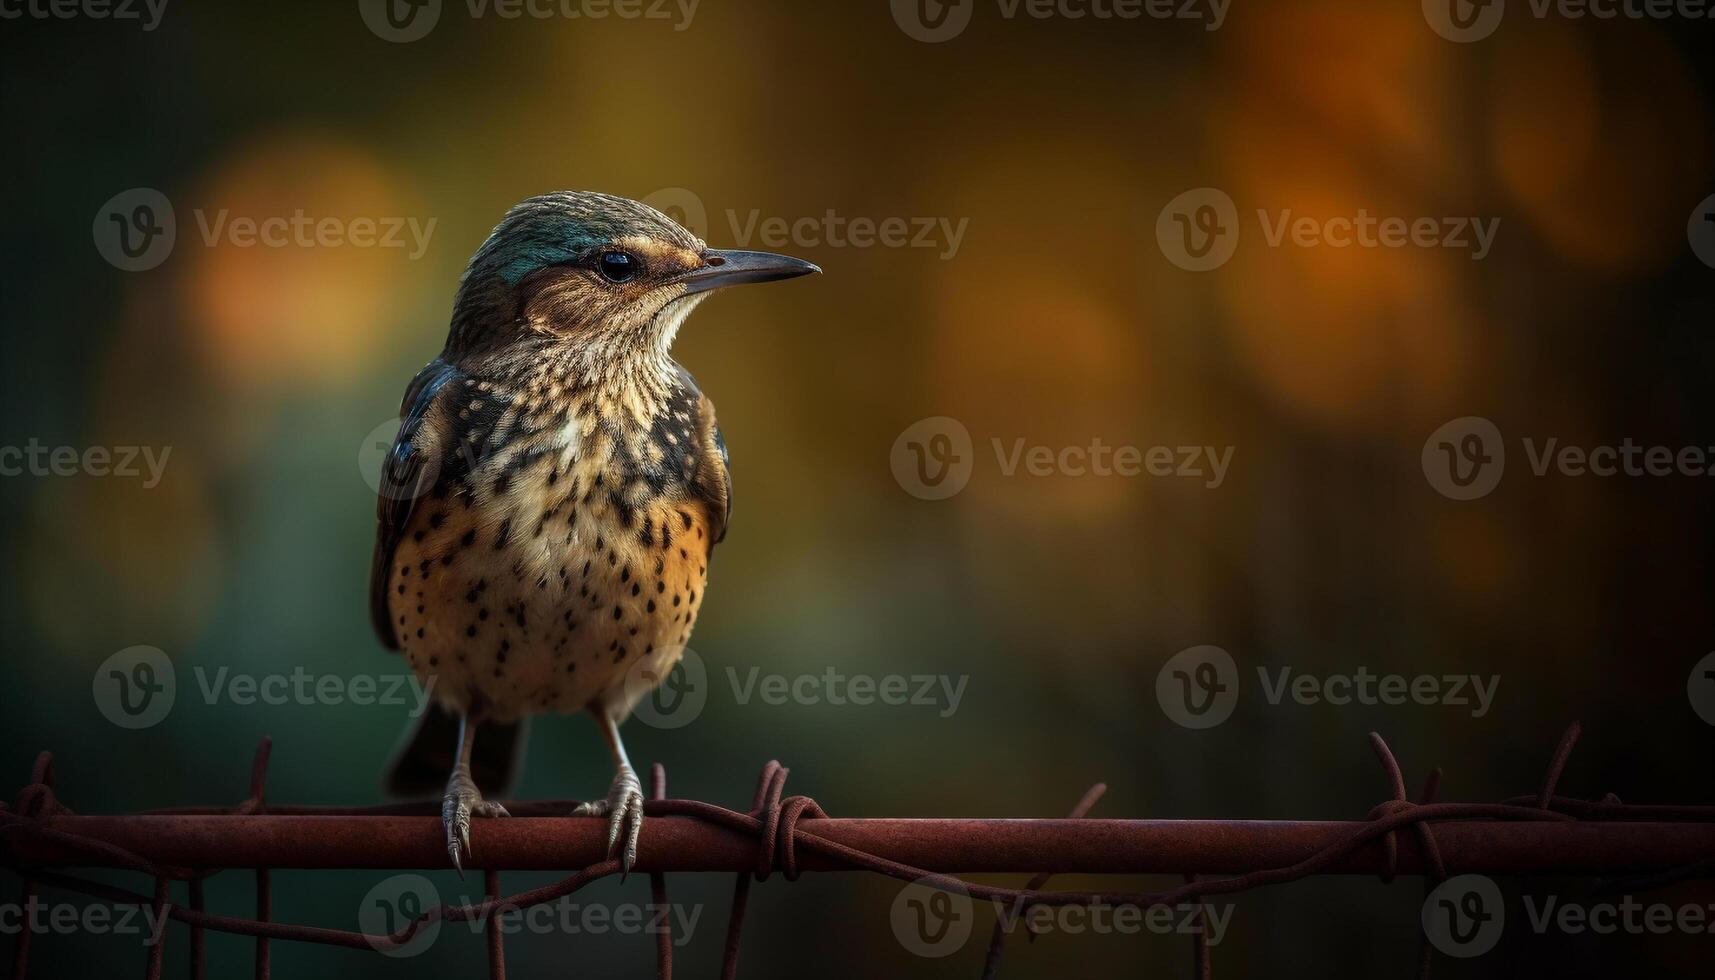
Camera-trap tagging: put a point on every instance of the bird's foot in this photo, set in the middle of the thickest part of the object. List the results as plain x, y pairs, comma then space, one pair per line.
623, 809
462, 802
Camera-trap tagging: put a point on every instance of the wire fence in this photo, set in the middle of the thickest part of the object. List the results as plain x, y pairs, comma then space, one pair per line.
1628, 847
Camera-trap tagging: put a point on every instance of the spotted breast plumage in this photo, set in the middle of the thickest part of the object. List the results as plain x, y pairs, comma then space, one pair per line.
554, 495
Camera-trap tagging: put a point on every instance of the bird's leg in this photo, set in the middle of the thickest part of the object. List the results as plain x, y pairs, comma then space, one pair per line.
623, 807
464, 800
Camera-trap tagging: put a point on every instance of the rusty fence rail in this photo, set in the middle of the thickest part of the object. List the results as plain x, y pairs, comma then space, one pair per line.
1630, 847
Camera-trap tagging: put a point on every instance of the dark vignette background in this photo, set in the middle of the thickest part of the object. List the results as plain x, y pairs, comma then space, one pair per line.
1057, 321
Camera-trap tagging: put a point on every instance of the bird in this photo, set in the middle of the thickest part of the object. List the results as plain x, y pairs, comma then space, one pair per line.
550, 504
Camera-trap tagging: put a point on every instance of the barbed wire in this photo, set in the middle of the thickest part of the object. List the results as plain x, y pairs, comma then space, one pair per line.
790, 834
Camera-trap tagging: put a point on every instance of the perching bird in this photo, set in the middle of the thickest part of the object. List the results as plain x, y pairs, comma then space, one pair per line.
557, 486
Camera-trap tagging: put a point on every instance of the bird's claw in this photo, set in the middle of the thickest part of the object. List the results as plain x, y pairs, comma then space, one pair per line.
623, 809
461, 803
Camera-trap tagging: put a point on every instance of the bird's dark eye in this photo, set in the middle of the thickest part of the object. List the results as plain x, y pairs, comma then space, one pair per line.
617, 266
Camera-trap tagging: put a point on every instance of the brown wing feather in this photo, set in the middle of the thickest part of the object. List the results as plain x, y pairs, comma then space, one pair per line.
408, 474
712, 481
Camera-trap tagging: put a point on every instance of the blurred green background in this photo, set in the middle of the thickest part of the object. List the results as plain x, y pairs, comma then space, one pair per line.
1057, 320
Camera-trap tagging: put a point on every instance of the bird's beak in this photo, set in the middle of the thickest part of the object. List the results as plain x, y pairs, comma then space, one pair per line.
726, 267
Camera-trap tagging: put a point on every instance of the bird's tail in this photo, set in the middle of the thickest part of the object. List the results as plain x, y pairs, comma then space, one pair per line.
426, 759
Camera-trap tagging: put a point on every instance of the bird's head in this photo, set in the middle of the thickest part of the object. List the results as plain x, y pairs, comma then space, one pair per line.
605, 276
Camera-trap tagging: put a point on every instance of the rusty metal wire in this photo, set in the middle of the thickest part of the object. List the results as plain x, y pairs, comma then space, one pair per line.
1542, 833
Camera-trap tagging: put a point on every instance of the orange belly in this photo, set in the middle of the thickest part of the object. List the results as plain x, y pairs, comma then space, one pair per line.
505, 607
